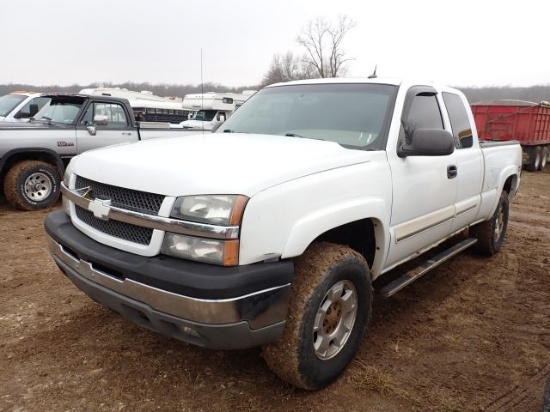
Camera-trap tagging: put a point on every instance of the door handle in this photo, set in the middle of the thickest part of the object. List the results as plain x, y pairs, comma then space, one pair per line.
126, 133
452, 171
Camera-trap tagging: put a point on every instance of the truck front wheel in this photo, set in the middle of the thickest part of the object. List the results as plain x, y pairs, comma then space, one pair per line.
32, 185
330, 306
490, 234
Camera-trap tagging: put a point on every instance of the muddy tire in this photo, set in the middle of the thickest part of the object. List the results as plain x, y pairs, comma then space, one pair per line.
32, 185
535, 158
330, 306
490, 234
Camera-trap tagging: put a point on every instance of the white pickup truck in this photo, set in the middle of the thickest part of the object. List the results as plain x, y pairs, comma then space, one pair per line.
21, 106
272, 230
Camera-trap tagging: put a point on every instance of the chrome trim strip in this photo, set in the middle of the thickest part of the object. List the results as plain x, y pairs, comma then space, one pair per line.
469, 208
260, 309
414, 227
166, 224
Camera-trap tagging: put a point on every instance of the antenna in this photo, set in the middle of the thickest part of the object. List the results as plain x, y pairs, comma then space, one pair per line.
373, 75
202, 91
202, 85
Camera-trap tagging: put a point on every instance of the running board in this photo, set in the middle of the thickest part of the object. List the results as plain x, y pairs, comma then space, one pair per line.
396, 285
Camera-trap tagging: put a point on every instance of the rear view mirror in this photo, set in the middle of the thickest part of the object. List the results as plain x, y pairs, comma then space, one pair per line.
427, 142
101, 120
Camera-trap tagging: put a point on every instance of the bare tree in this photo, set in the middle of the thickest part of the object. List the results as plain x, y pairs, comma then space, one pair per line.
322, 41
286, 67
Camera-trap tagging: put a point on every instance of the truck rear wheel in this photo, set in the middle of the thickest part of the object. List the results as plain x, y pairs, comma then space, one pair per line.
32, 185
535, 155
490, 234
330, 306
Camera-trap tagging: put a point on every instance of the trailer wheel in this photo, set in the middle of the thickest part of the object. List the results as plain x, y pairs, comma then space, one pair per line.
544, 158
330, 306
535, 155
490, 234
32, 185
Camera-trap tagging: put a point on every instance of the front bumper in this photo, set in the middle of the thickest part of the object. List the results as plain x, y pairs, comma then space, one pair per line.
206, 305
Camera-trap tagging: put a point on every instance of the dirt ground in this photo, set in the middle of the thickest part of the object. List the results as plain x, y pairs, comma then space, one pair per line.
473, 335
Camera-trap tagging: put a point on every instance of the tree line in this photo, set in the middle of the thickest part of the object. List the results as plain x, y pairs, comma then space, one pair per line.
474, 94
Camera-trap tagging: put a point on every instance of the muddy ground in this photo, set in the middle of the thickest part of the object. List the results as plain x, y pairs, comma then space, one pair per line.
473, 335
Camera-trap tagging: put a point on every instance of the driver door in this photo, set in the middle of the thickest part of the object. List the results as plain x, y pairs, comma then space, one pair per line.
119, 128
424, 187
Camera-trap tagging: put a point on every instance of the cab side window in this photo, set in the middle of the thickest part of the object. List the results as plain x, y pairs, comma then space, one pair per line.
424, 113
462, 130
116, 116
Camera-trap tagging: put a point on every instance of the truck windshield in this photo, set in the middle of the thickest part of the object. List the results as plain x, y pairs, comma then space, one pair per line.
205, 115
9, 102
60, 111
353, 115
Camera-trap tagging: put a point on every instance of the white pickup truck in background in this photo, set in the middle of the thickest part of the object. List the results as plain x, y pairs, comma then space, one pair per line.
278, 229
21, 106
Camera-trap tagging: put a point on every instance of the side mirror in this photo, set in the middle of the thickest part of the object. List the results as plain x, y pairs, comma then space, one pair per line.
220, 117
101, 120
428, 142
33, 109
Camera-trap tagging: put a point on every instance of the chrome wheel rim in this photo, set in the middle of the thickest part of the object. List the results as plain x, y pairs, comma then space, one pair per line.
334, 320
38, 186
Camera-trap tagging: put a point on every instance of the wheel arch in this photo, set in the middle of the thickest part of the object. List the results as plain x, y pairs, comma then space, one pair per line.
367, 234
509, 183
34, 153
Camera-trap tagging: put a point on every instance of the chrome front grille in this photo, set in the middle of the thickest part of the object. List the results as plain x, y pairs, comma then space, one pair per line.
121, 230
142, 202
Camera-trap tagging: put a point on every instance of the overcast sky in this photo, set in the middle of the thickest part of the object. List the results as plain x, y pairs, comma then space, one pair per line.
456, 42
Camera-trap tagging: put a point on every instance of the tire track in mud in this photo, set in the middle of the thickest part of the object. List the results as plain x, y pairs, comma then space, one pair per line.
526, 397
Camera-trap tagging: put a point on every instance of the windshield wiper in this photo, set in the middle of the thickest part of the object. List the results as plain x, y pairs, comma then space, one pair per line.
43, 119
303, 137
232, 131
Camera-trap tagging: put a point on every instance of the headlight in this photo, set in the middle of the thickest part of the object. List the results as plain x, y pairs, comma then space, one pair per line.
215, 210
222, 210
218, 252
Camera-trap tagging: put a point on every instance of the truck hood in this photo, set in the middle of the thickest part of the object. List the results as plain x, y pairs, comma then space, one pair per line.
27, 125
213, 163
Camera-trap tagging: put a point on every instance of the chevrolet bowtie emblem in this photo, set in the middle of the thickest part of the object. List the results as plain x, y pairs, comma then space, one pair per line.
100, 208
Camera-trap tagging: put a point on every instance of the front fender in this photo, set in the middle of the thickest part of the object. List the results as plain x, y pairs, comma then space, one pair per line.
318, 222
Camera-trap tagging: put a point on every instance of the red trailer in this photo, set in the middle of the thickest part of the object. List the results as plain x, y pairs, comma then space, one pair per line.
527, 122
